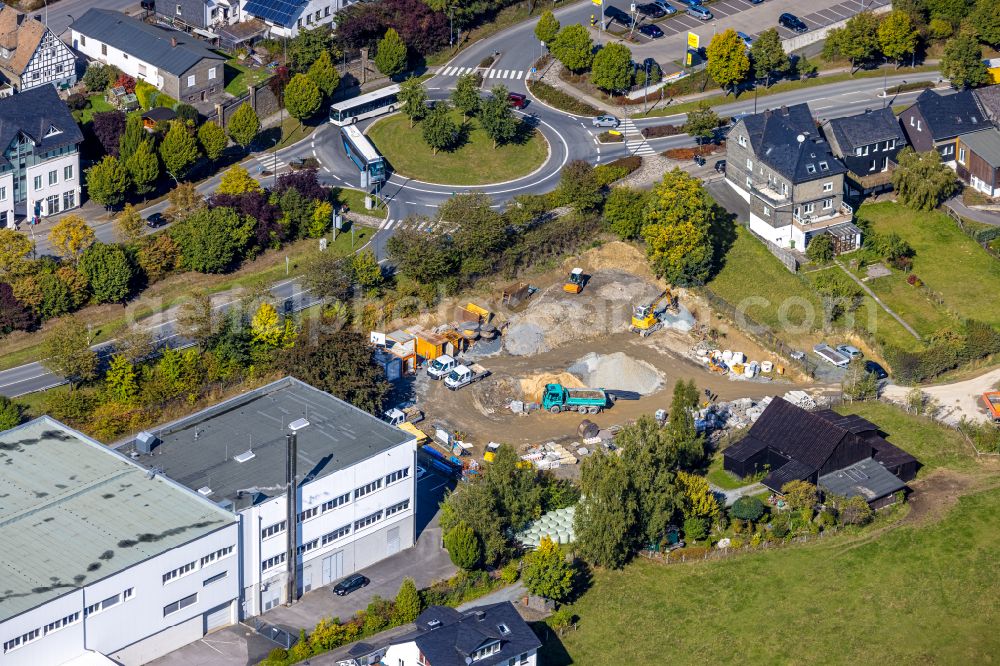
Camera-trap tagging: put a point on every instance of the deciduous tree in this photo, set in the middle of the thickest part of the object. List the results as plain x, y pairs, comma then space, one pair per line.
237, 180
134, 343
857, 41
367, 271
184, 200
463, 547
546, 572
547, 27
800, 494
107, 181
413, 97
269, 330
143, 167
211, 240
10, 412
390, 56
302, 97
308, 46
108, 128
440, 132
14, 315
14, 250
178, 150
728, 64
897, 38
244, 125
921, 181
985, 19
703, 122
859, 383
324, 74
158, 257
196, 319
677, 229
71, 236
465, 96
747, 508
573, 48
623, 211
120, 382
768, 55
698, 498
820, 249
408, 603
611, 70
496, 118
109, 272
213, 140
962, 62
66, 351
578, 187
328, 275
606, 519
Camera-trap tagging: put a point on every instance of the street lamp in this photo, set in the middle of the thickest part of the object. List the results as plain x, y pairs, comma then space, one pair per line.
292, 505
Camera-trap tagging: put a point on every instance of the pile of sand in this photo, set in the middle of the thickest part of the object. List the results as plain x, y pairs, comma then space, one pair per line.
617, 371
533, 386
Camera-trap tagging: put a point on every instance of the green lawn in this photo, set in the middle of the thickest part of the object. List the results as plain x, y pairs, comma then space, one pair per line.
949, 262
721, 477
933, 444
95, 104
355, 200
239, 77
474, 163
912, 595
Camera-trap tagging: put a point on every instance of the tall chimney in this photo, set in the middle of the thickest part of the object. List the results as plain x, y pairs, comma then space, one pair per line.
292, 504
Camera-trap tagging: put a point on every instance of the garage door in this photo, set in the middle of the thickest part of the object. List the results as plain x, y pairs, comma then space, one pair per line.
219, 617
392, 541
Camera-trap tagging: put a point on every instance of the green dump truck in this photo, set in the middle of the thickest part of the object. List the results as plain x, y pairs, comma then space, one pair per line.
558, 398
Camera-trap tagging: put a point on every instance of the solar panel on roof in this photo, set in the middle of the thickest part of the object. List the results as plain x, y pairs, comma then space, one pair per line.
282, 12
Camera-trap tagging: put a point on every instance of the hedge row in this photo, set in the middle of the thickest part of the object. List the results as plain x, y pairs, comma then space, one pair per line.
616, 170
561, 100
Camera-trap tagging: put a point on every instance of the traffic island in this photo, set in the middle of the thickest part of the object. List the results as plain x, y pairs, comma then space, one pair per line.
473, 162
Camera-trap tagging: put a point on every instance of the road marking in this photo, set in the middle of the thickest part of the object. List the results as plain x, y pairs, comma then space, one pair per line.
448, 71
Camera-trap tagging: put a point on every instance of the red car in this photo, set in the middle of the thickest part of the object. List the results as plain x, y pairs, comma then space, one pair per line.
517, 100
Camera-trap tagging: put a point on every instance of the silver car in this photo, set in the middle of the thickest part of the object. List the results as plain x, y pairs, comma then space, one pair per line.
605, 121
665, 6
850, 350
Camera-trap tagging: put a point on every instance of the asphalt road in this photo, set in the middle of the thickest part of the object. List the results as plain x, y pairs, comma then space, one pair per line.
61, 13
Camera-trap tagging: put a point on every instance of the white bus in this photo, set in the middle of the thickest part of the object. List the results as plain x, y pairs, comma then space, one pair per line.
361, 151
364, 106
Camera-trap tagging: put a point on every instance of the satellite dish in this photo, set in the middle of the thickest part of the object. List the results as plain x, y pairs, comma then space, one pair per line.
800, 138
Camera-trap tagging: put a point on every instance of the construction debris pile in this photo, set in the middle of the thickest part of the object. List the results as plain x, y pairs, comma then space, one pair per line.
734, 364
617, 371
556, 525
735, 414
549, 456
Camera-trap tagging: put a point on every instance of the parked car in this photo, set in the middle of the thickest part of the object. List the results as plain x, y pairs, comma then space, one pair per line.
831, 355
876, 369
850, 350
651, 10
517, 100
667, 8
700, 13
747, 39
605, 121
720, 166
350, 584
690, 3
650, 30
792, 22
155, 221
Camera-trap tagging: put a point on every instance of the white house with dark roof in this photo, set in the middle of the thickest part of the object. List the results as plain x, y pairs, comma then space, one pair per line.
175, 62
31, 55
355, 478
102, 561
285, 18
40, 163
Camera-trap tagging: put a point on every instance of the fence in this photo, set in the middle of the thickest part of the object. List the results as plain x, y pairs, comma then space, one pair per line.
723, 553
819, 34
275, 634
760, 332
261, 98
981, 236
786, 257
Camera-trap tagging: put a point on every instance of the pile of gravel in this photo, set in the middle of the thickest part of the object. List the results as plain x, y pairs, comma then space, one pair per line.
617, 371
525, 339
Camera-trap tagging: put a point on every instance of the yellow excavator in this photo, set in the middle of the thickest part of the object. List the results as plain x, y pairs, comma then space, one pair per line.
648, 317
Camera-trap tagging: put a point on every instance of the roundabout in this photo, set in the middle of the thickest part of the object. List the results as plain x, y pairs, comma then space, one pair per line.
474, 162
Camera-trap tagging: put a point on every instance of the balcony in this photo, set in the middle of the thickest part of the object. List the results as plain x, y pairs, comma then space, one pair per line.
825, 219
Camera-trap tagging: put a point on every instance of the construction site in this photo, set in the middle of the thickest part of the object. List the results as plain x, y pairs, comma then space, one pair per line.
576, 353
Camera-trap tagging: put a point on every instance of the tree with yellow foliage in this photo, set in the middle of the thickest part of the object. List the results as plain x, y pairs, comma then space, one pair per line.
678, 229
71, 236
268, 329
699, 501
237, 180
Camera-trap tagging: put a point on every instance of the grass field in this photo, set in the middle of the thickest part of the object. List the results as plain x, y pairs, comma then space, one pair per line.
474, 163
720, 477
239, 77
95, 104
949, 262
912, 595
355, 200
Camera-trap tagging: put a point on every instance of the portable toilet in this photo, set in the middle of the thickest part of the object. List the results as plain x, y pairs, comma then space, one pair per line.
391, 364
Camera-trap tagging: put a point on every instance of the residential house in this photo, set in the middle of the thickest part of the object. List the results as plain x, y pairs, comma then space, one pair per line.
978, 161
783, 167
31, 55
284, 18
40, 165
200, 16
867, 144
104, 562
935, 121
792, 444
488, 635
989, 101
173, 61
355, 499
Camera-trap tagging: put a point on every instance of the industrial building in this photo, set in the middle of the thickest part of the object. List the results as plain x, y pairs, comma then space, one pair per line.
102, 561
355, 475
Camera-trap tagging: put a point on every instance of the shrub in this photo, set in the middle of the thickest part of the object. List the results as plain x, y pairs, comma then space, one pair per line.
688, 553
657, 131
277, 654
463, 546
608, 137
561, 620
487, 61
510, 573
695, 528
561, 100
749, 509
616, 170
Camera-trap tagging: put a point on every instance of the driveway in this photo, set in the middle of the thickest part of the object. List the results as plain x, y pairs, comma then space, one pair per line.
426, 562
957, 401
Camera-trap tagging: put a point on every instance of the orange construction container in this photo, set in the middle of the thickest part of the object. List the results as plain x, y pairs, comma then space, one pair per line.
992, 401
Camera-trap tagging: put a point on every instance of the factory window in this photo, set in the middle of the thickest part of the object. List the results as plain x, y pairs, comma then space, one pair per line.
179, 571
308, 513
271, 530
189, 600
23, 639
337, 501
306, 547
217, 555
397, 475
272, 562
102, 605
339, 533
368, 520
396, 508
214, 579
367, 488
72, 618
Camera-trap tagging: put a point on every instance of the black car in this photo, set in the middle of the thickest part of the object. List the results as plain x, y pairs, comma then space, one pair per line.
651, 10
155, 221
349, 584
720, 166
651, 31
876, 369
792, 22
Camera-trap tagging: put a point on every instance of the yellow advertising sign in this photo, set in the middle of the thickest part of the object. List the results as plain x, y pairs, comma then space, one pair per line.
598, 2
693, 41
688, 61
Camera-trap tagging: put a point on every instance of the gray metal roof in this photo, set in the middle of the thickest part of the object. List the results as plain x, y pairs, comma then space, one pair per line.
146, 42
200, 450
986, 145
40, 115
74, 512
865, 478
